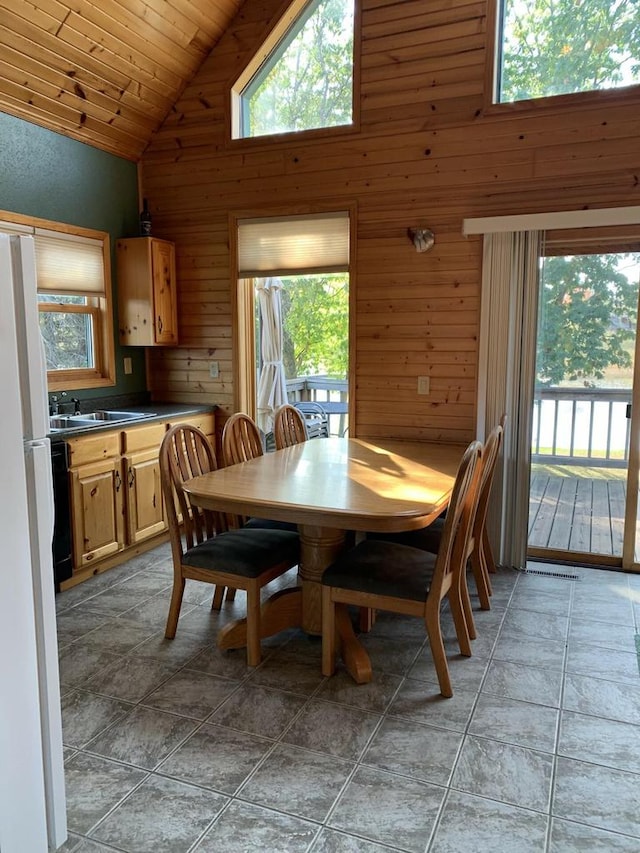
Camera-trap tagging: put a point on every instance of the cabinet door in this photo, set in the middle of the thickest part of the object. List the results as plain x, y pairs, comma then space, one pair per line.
97, 509
164, 292
145, 508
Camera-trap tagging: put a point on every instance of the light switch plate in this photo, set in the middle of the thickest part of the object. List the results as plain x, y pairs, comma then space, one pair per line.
424, 385
214, 369
128, 367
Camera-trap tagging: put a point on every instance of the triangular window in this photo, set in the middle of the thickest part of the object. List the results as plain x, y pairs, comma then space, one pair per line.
302, 78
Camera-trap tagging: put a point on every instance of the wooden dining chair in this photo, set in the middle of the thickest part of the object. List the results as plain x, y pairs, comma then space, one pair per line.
241, 558
480, 557
288, 427
384, 575
241, 441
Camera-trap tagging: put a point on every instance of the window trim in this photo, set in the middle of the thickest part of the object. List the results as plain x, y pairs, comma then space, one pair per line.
597, 98
278, 32
101, 311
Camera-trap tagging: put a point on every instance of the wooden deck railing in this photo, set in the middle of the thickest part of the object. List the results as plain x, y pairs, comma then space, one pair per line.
571, 426
574, 426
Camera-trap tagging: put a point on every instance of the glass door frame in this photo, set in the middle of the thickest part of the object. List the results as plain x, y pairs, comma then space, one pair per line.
630, 548
608, 241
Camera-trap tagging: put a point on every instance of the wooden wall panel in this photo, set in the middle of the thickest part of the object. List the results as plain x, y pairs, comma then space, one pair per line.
427, 151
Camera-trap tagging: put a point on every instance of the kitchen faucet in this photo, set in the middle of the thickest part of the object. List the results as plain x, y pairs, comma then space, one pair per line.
56, 403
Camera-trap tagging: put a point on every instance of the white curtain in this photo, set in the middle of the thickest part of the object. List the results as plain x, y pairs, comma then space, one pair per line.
508, 329
272, 386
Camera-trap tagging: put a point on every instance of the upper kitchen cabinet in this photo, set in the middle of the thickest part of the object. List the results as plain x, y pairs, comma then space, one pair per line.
147, 299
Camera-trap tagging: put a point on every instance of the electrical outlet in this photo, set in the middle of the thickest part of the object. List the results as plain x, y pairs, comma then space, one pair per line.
423, 385
128, 367
214, 369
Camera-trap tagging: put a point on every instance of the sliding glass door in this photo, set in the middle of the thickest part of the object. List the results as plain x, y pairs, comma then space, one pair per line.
582, 486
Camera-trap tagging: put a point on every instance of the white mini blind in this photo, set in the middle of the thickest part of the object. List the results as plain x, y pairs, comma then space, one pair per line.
14, 228
69, 265
290, 245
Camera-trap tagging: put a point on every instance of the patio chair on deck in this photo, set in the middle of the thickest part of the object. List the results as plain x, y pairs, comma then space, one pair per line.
316, 418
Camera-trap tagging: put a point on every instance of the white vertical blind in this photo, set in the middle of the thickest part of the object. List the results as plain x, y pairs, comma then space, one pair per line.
508, 327
283, 245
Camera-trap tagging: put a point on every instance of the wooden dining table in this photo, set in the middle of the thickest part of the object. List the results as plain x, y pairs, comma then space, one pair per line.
329, 487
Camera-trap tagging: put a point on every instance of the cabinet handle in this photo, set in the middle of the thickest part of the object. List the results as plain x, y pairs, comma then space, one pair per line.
118, 481
160, 325
154, 500
132, 477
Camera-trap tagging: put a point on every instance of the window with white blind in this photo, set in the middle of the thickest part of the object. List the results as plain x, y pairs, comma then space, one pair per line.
74, 302
303, 261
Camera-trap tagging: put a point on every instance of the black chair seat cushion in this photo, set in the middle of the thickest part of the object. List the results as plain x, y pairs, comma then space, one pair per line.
269, 524
245, 552
427, 538
383, 568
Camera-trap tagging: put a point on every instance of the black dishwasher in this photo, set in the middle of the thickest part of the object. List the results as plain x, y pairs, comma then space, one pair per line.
62, 562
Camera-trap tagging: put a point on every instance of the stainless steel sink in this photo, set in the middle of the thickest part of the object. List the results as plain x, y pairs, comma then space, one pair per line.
69, 421
103, 416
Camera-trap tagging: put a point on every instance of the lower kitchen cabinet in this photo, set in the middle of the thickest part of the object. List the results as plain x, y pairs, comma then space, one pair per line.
145, 507
97, 511
116, 494
141, 472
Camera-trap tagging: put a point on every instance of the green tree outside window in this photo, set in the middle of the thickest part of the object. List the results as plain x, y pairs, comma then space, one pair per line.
307, 82
556, 47
588, 314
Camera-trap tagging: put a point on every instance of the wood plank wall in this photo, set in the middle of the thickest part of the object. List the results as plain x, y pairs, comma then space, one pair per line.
428, 151
105, 73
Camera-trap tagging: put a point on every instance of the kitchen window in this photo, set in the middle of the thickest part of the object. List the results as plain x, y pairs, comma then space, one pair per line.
74, 303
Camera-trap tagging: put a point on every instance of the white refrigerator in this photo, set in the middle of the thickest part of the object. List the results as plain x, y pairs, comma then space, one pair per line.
32, 800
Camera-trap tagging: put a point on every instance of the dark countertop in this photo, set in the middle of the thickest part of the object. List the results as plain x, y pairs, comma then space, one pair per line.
156, 412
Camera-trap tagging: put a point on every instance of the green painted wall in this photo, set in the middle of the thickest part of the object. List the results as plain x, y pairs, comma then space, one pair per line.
48, 175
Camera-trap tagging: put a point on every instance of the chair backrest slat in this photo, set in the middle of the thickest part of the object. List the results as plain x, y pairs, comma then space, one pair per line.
454, 541
241, 439
288, 427
490, 454
186, 453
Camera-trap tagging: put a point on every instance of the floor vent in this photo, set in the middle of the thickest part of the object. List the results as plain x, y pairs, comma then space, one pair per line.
549, 574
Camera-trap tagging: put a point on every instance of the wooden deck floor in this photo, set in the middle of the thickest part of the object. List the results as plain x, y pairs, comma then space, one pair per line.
576, 513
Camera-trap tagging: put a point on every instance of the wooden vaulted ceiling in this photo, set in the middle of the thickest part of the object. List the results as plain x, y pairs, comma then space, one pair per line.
106, 72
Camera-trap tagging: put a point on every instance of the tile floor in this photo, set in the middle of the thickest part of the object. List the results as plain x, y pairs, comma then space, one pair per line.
173, 746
